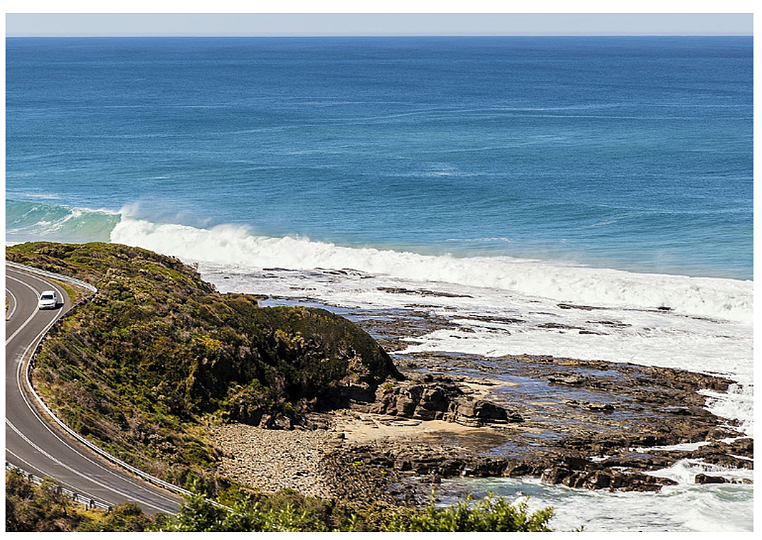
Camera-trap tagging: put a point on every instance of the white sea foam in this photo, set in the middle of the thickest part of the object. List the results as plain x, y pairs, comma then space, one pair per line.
737, 404
682, 508
232, 245
684, 472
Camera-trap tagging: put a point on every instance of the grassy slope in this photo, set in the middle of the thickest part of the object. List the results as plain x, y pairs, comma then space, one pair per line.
157, 352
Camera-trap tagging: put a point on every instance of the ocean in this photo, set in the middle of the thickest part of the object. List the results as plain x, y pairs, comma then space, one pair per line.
511, 173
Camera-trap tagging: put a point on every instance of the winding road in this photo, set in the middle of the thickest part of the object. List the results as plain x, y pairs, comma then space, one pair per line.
32, 441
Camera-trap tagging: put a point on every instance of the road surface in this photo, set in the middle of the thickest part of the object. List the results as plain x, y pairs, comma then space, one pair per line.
32, 442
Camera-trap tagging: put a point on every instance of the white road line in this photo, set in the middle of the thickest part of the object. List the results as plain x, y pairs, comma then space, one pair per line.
65, 466
48, 284
32, 316
15, 304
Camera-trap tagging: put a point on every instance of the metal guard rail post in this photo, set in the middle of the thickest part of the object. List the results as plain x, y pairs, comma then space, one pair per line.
76, 497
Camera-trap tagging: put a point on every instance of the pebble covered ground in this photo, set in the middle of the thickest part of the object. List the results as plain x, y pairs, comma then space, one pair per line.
313, 462
272, 460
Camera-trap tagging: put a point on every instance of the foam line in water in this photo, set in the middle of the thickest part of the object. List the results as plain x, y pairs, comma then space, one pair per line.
238, 246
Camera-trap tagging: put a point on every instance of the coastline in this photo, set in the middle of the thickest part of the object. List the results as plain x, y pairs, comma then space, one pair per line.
594, 425
546, 282
590, 424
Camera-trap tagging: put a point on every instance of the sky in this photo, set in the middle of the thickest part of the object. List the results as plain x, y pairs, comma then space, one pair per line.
375, 24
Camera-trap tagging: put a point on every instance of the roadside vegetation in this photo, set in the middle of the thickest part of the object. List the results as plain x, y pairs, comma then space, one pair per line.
71, 292
288, 511
33, 508
41, 508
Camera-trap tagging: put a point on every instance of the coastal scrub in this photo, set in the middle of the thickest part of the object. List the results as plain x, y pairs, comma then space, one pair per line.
157, 353
42, 508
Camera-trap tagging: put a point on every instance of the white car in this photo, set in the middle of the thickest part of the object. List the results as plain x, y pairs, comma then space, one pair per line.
48, 300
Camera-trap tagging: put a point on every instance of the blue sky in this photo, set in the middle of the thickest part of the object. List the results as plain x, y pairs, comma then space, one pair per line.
304, 24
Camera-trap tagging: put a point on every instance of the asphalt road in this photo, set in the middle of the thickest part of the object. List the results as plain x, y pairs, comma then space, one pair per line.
32, 442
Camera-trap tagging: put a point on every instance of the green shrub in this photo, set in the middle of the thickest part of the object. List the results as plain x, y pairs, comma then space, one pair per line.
37, 508
289, 511
33, 508
491, 514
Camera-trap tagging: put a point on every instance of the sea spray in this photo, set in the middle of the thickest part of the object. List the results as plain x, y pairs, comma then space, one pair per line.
236, 245
685, 507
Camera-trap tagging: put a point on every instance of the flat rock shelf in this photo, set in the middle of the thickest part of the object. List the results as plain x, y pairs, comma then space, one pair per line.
584, 424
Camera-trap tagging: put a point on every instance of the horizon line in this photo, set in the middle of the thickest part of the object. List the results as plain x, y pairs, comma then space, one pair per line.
357, 35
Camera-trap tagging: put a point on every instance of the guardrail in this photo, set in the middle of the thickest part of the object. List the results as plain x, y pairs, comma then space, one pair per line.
43, 405
87, 502
51, 275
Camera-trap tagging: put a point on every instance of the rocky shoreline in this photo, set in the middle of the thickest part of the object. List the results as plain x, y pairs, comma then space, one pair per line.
583, 424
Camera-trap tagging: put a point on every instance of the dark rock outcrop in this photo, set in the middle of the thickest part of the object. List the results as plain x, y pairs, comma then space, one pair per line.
438, 399
707, 479
478, 412
605, 479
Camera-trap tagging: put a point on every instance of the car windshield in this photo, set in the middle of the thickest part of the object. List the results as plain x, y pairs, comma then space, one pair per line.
47, 297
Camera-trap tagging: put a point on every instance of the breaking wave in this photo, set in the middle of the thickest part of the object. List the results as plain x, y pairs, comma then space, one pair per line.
241, 248
37, 221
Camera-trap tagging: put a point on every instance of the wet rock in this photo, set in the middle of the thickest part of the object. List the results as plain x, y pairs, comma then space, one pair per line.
569, 380
605, 479
706, 479
477, 412
574, 306
684, 411
612, 324
590, 406
554, 475
422, 292
723, 460
558, 326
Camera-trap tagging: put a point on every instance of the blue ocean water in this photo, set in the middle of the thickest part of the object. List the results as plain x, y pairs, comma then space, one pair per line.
614, 152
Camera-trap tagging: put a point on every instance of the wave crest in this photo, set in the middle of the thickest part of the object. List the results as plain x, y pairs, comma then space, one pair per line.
239, 247
26, 221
